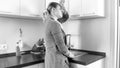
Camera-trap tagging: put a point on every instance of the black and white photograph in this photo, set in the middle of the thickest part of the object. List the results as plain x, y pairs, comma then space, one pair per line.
59, 33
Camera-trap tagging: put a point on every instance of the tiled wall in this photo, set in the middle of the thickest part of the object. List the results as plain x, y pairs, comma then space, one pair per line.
9, 32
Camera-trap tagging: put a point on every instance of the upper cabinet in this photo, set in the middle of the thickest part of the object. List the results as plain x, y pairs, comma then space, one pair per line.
80, 9
22, 8
75, 7
84, 9
32, 8
9, 7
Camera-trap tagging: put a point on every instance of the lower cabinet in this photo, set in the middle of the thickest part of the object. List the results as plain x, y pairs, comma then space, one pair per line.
97, 64
40, 65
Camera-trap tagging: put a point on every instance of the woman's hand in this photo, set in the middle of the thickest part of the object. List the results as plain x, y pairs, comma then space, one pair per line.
71, 55
45, 15
62, 2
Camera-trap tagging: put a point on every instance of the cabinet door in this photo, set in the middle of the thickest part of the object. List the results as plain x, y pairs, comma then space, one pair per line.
32, 8
41, 65
74, 65
66, 3
9, 7
75, 7
92, 7
97, 64
87, 8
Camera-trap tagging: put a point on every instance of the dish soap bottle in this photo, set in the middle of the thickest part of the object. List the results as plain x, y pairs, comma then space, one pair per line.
17, 49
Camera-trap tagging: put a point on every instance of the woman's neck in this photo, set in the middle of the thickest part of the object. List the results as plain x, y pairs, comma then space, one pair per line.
55, 18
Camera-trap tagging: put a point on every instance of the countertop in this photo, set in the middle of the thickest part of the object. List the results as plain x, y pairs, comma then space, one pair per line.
30, 59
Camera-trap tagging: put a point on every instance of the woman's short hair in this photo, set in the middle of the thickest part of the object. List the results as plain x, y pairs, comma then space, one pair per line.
52, 5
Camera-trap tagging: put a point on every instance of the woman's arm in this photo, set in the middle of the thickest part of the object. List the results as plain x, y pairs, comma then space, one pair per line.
58, 39
62, 2
64, 17
65, 13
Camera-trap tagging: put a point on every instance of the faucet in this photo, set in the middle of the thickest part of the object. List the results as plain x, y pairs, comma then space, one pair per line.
68, 41
18, 52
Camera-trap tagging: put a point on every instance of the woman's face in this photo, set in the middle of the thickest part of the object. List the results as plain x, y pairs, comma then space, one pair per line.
58, 12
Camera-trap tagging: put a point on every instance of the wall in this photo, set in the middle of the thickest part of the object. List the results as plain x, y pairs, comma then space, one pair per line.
9, 32
92, 34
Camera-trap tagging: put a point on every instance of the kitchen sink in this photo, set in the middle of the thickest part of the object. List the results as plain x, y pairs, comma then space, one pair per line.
77, 53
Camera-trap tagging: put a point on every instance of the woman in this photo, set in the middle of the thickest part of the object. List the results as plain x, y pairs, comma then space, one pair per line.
56, 50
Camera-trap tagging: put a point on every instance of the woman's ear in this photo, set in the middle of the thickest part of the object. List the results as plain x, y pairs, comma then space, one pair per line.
53, 10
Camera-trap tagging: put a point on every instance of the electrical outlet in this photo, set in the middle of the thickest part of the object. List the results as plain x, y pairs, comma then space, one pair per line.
3, 46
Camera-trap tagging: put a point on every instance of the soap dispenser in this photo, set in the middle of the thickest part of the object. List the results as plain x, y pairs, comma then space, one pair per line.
17, 49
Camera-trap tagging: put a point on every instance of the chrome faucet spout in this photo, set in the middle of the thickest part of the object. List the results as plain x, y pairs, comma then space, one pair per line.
68, 40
